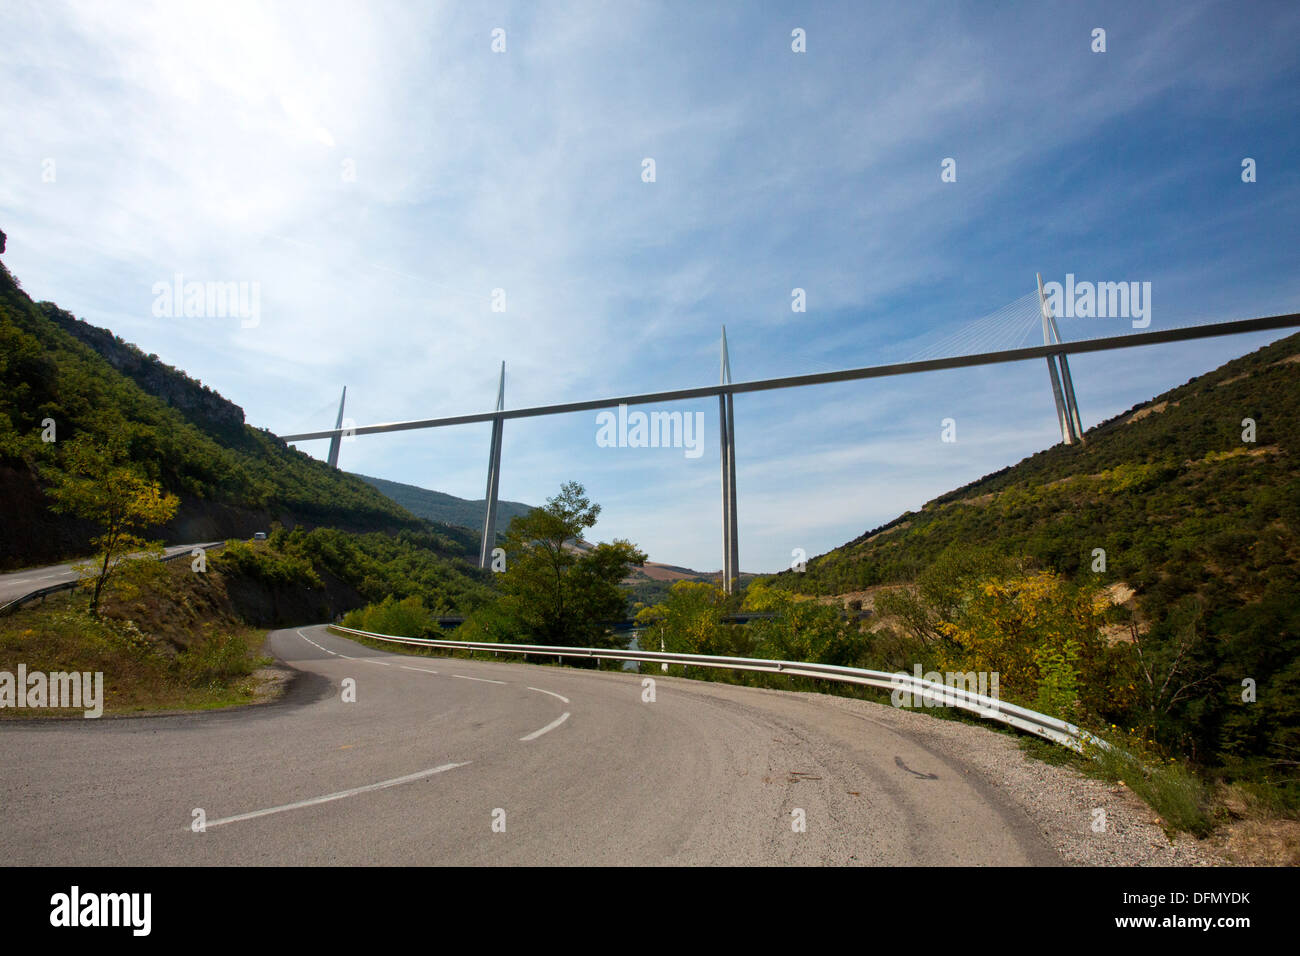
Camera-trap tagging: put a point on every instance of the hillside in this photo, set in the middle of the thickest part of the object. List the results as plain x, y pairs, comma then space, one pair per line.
232, 479
445, 508
1201, 537
1168, 489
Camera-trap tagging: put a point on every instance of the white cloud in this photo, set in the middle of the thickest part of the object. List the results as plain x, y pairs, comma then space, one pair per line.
217, 140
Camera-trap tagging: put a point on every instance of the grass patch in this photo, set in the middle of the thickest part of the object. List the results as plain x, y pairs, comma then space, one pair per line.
141, 673
1171, 788
1261, 826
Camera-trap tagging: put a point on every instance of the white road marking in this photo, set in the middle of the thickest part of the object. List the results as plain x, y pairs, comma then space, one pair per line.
481, 679
422, 670
551, 692
382, 785
314, 644
537, 733
369, 660
309, 640
32, 580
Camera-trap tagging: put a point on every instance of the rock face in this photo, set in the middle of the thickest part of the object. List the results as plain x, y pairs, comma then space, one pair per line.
201, 406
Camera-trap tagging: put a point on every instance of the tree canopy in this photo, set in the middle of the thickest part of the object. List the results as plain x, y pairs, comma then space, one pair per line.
555, 588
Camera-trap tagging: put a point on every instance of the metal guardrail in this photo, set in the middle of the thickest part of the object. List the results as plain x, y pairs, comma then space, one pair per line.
42, 593
1051, 728
630, 624
211, 546
30, 596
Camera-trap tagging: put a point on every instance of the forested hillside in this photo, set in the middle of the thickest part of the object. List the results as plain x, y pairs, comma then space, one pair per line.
1185, 510
65, 380
1169, 489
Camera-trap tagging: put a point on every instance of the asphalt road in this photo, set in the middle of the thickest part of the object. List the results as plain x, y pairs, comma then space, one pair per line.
434, 752
17, 583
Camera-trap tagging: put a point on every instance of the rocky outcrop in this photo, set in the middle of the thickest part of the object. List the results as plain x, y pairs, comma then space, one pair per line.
201, 406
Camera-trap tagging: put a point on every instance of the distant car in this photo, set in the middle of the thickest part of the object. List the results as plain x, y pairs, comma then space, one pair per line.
260, 536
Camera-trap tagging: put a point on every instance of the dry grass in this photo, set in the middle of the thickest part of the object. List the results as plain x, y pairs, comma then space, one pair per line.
163, 643
1256, 833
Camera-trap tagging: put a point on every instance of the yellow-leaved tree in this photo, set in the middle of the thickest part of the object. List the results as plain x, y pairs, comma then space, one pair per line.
98, 484
1041, 633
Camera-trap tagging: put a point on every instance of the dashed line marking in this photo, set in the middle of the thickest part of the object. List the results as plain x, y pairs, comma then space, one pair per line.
549, 727
317, 646
551, 692
390, 783
369, 788
312, 643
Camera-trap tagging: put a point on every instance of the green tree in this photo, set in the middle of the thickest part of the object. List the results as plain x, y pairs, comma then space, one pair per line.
96, 484
556, 590
690, 620
802, 628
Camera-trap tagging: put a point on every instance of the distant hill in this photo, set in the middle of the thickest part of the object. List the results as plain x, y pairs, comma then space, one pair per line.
445, 508
649, 583
232, 479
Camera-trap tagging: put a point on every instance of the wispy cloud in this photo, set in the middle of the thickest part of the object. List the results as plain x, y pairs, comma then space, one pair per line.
381, 172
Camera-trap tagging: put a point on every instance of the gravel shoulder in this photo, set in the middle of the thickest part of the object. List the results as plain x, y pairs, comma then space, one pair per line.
1061, 802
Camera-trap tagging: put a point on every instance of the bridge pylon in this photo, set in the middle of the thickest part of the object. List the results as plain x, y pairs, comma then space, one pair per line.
727, 432
493, 479
1067, 406
335, 439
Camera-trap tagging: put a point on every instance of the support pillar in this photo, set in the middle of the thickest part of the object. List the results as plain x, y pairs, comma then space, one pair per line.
1067, 383
726, 494
493, 480
1062, 411
727, 430
733, 540
336, 439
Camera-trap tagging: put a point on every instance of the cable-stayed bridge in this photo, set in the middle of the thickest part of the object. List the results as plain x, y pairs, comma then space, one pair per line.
981, 342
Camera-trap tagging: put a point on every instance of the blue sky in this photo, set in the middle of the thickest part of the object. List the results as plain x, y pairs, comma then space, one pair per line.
213, 140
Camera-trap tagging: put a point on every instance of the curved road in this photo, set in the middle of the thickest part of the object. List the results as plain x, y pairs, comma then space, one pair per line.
14, 584
434, 752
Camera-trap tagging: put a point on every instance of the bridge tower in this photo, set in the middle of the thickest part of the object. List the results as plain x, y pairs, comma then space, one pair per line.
493, 479
1067, 406
335, 439
727, 431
